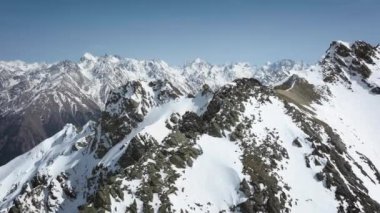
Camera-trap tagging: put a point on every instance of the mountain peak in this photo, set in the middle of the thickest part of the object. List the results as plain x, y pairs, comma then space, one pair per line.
347, 62
347, 44
359, 49
88, 56
199, 60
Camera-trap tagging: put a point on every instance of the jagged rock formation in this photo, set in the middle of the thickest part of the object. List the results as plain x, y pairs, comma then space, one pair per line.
309, 142
343, 61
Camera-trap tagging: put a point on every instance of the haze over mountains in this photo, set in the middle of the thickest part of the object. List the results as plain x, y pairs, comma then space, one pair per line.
123, 135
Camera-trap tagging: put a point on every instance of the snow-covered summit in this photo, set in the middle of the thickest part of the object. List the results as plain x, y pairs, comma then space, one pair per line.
89, 57
272, 73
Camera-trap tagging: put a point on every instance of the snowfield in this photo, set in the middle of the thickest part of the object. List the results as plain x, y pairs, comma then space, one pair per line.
213, 183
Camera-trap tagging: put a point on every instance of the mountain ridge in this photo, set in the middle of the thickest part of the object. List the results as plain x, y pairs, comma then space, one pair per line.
240, 147
29, 91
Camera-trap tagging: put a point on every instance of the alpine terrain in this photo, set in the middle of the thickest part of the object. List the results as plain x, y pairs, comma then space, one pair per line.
37, 100
110, 134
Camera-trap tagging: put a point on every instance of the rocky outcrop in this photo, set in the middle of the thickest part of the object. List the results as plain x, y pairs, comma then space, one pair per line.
300, 92
343, 61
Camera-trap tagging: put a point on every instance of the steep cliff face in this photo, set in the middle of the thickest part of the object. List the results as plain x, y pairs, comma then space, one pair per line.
309, 142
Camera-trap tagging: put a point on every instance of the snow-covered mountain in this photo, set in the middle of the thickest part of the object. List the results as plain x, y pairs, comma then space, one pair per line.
272, 73
37, 100
305, 142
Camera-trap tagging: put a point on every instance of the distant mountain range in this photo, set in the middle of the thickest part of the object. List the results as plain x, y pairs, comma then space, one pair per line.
37, 100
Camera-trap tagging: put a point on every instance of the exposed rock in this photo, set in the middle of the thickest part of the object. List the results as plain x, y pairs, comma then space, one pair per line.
298, 91
176, 139
138, 146
375, 90
297, 143
364, 51
177, 161
319, 176
102, 199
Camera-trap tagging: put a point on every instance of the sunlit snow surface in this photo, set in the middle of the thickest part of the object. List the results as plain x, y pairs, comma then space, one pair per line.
52, 156
214, 180
355, 115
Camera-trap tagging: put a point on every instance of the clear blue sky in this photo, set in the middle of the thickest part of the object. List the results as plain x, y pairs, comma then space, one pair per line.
176, 31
